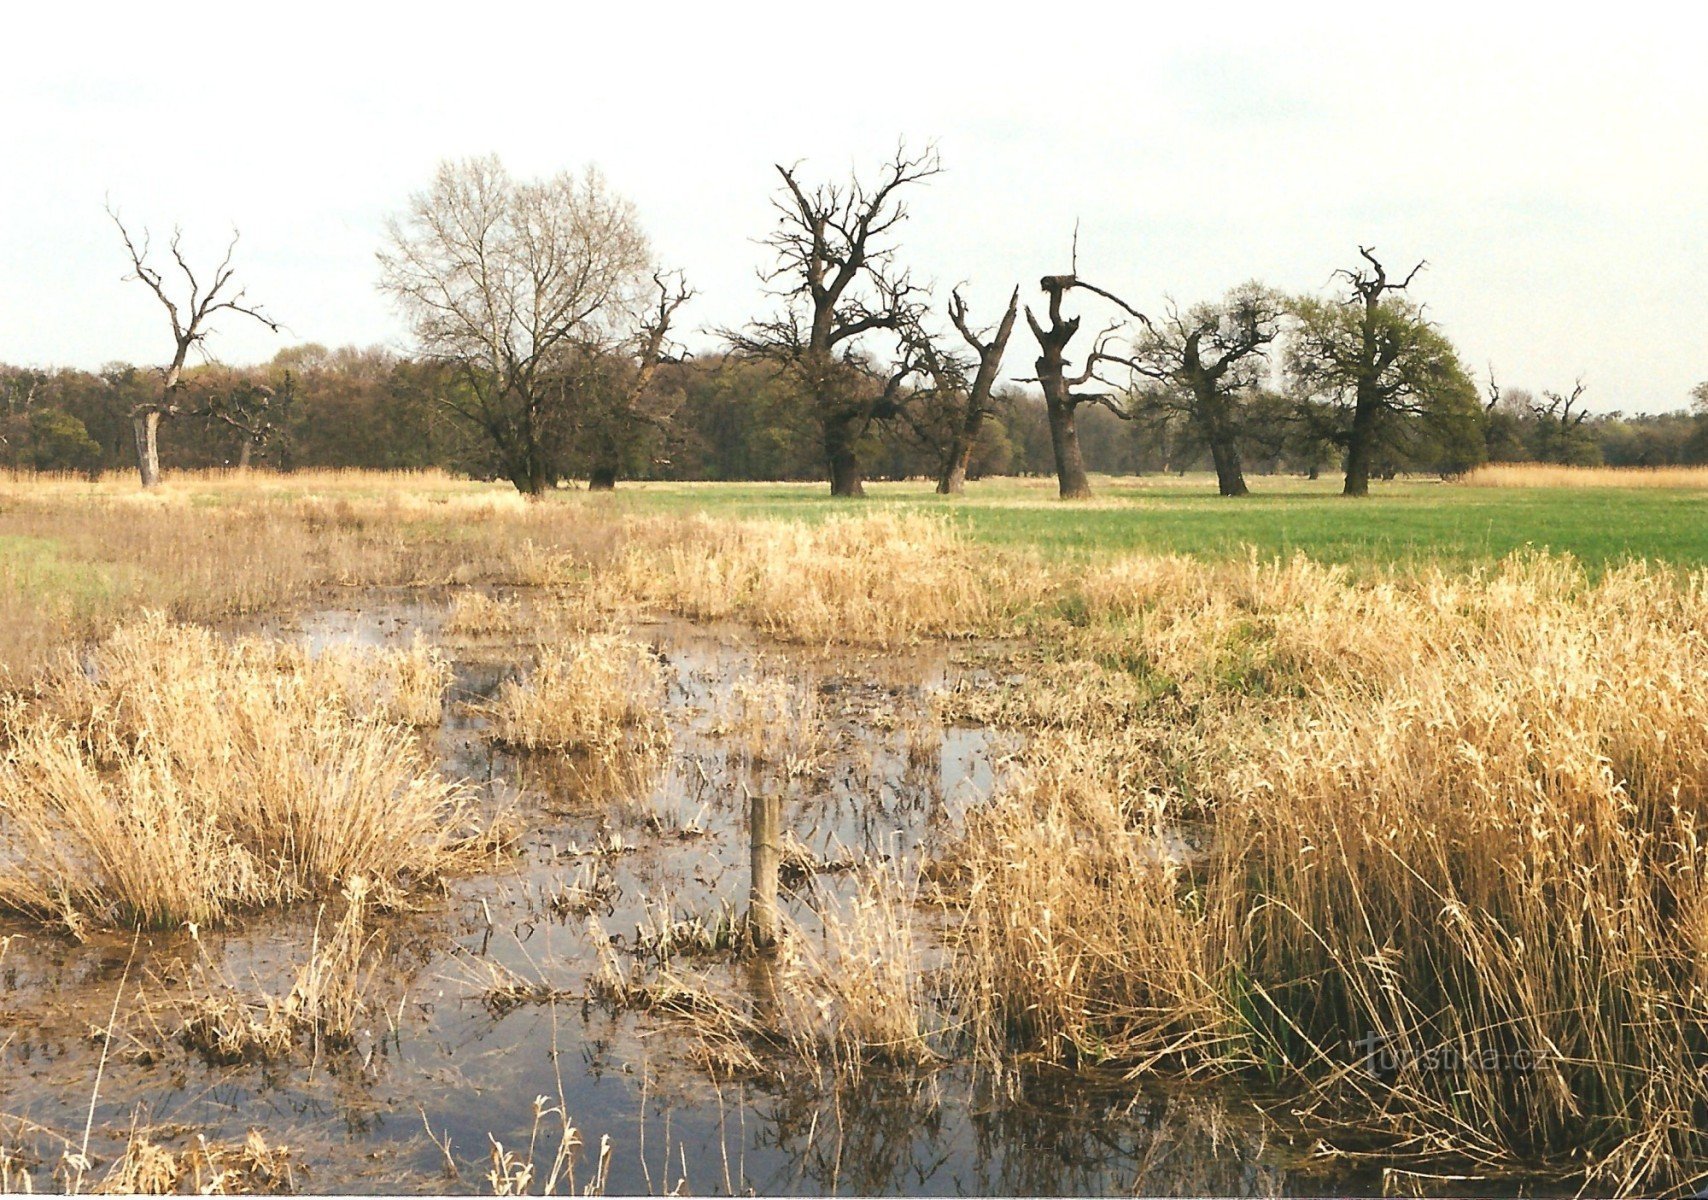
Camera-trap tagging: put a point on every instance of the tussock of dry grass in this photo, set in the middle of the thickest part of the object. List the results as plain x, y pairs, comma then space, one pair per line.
598, 694
174, 776
1548, 475
479, 614
325, 1004
774, 721
859, 993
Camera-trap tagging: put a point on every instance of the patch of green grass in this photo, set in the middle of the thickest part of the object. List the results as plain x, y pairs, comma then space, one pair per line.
1400, 524
35, 570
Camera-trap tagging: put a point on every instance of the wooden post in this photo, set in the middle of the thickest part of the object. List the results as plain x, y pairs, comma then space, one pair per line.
764, 819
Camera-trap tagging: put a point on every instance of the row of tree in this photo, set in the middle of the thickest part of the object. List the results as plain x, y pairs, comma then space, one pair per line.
729, 418
544, 351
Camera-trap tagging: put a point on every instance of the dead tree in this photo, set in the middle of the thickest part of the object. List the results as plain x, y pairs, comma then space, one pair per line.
256, 411
610, 428
836, 272
1061, 401
190, 315
989, 349
1558, 426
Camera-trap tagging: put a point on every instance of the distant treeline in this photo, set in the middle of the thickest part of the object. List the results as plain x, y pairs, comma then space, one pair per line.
728, 418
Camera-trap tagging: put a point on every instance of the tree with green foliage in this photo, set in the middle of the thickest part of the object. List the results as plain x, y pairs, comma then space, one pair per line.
59, 442
1205, 363
1377, 365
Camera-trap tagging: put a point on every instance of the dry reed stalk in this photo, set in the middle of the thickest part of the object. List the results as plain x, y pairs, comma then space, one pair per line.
878, 580
204, 1168
326, 1002
1472, 836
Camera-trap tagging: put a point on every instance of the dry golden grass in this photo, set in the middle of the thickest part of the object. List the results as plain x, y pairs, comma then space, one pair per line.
1458, 815
174, 776
1548, 475
858, 992
222, 1019
883, 579
597, 694
479, 614
77, 560
774, 721
204, 1168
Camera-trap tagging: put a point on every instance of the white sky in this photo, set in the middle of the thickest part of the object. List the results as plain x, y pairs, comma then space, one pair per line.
1552, 168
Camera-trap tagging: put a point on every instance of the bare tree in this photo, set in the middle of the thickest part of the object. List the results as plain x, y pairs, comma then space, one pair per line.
616, 411
1373, 357
1061, 401
1560, 435
1205, 361
835, 270
975, 405
256, 411
506, 281
190, 312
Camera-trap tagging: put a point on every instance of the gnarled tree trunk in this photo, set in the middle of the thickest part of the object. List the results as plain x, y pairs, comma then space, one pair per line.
146, 425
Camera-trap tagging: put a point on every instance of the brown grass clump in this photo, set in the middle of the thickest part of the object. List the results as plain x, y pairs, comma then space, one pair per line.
174, 777
1472, 846
325, 1004
1547, 475
204, 1168
598, 694
478, 614
884, 579
774, 721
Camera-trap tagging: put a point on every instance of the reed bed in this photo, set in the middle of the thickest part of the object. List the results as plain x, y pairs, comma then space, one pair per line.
596, 694
1435, 869
883, 580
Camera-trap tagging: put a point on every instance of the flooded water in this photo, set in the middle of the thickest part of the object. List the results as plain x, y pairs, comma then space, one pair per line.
604, 863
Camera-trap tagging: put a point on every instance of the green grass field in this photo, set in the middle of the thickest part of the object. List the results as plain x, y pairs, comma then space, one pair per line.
1400, 523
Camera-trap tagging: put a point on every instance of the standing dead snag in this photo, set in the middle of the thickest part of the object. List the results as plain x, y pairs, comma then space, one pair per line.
966, 434
617, 413
835, 271
1060, 399
190, 316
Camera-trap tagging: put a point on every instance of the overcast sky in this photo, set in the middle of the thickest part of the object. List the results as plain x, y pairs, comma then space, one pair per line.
1552, 169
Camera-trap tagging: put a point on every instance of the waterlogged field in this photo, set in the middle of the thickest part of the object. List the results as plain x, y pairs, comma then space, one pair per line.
389, 833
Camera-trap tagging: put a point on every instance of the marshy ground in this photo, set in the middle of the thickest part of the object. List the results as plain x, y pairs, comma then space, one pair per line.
390, 835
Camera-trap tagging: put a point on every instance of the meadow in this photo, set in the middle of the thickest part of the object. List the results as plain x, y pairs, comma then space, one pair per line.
1379, 822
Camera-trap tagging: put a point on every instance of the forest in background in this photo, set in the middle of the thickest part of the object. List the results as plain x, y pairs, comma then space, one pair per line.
731, 419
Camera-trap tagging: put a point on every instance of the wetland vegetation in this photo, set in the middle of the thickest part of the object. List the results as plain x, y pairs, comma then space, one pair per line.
389, 832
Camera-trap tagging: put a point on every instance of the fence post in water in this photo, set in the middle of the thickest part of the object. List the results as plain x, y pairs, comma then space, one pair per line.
764, 816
